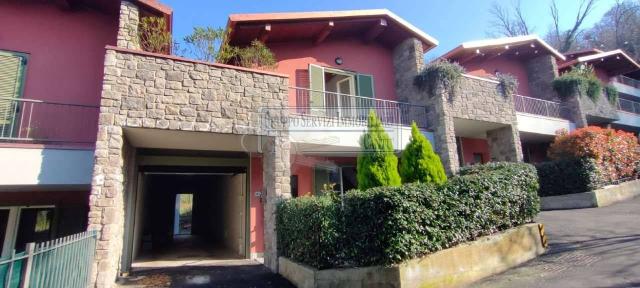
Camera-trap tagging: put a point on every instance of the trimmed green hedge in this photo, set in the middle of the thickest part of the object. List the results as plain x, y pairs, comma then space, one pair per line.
568, 176
388, 225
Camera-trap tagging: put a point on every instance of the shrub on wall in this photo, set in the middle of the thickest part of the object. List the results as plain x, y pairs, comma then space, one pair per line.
580, 80
418, 162
612, 95
568, 176
440, 72
616, 153
153, 35
389, 225
508, 84
377, 165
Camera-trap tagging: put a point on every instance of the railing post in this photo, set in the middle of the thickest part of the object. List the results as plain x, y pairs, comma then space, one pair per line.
26, 267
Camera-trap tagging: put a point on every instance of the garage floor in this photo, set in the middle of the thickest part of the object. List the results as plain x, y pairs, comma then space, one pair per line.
224, 273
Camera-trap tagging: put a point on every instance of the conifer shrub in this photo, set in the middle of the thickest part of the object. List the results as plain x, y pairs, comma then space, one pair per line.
419, 163
377, 165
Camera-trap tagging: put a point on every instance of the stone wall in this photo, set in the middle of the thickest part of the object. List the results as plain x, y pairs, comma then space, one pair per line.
153, 91
128, 27
541, 71
479, 100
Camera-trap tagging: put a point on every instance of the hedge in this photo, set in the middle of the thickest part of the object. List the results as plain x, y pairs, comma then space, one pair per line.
388, 225
567, 176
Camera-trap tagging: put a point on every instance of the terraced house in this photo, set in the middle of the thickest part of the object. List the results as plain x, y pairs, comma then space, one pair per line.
120, 138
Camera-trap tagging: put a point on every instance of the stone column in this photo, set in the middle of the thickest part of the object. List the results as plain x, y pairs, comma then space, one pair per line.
408, 61
276, 176
504, 144
571, 109
128, 26
540, 72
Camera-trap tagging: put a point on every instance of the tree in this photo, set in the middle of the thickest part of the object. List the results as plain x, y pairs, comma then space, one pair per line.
203, 43
377, 164
508, 23
512, 23
419, 163
619, 28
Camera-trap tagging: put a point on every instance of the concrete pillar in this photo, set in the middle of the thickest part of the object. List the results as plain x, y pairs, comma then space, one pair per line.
276, 177
504, 144
128, 26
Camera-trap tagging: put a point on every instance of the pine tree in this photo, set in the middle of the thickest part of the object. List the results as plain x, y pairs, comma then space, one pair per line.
419, 163
377, 163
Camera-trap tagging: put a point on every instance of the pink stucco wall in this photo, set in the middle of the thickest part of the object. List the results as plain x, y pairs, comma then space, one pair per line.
256, 213
65, 64
473, 145
373, 59
487, 68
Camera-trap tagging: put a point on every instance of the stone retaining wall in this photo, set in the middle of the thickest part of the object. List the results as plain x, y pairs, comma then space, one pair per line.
602, 197
457, 266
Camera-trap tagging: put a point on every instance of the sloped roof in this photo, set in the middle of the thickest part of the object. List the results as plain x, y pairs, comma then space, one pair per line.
614, 61
307, 25
522, 45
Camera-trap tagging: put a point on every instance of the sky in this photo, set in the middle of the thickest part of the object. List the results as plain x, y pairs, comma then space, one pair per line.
450, 21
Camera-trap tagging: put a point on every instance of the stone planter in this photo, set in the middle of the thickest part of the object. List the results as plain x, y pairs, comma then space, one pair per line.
598, 198
455, 266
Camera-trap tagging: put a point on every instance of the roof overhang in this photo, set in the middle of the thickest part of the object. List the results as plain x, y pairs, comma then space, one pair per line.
615, 62
379, 25
520, 47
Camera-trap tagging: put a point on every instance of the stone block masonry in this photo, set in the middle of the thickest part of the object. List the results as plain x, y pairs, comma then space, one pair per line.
128, 26
153, 91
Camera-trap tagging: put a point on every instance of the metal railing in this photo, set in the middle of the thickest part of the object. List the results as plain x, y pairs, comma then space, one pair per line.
628, 81
36, 120
629, 106
316, 103
63, 262
537, 106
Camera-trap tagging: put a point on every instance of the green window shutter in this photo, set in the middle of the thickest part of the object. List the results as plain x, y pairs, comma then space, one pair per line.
365, 85
316, 83
12, 68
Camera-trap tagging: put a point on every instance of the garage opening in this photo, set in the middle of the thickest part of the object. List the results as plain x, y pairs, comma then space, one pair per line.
186, 215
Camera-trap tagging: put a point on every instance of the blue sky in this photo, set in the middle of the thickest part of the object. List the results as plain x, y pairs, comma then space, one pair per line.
449, 21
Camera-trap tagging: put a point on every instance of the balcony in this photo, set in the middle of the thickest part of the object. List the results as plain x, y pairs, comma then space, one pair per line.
346, 107
538, 116
537, 106
629, 106
37, 121
627, 85
629, 113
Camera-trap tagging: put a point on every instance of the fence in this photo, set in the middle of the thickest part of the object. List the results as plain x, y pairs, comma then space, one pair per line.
351, 107
63, 262
629, 81
36, 120
537, 106
629, 106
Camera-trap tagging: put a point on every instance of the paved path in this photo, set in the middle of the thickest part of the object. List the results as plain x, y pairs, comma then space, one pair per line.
598, 247
241, 273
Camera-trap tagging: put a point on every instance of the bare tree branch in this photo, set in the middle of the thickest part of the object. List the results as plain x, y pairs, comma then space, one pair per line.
506, 24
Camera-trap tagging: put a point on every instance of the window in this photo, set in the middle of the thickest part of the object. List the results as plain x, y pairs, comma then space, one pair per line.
183, 214
341, 84
12, 73
342, 178
478, 158
34, 225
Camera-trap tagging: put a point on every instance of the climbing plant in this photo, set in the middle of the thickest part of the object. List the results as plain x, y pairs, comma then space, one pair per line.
612, 94
508, 84
442, 72
579, 80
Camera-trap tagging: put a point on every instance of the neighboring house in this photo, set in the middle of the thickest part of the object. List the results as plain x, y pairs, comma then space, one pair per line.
617, 69
51, 74
181, 148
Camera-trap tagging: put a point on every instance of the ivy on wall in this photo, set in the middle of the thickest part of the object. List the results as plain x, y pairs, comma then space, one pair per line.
442, 72
580, 80
508, 83
612, 95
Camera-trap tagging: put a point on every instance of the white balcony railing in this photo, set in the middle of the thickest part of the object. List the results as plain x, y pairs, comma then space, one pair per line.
628, 81
41, 121
629, 106
317, 103
537, 106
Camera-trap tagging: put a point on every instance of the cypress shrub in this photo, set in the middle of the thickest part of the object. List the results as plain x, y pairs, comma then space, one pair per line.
419, 163
389, 225
377, 165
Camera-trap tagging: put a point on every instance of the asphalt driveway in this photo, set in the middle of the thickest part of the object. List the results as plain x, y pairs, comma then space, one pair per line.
598, 247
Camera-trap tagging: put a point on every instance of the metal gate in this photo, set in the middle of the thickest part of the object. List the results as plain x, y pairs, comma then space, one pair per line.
63, 262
